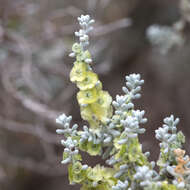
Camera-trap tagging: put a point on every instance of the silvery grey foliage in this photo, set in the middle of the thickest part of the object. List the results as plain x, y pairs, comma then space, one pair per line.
186, 176
70, 145
121, 104
167, 133
133, 83
139, 116
90, 136
164, 37
110, 132
145, 175
171, 170
122, 169
64, 121
121, 185
85, 22
124, 103
133, 86
180, 185
170, 140
131, 125
70, 149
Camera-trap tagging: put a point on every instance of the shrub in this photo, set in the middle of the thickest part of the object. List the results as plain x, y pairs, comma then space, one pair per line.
113, 132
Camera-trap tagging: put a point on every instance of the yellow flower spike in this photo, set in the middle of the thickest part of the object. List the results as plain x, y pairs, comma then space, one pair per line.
78, 72
89, 82
87, 96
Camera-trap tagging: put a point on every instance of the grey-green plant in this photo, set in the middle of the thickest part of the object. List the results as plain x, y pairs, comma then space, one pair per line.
112, 133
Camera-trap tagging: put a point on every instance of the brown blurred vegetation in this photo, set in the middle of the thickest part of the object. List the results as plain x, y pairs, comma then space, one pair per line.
35, 39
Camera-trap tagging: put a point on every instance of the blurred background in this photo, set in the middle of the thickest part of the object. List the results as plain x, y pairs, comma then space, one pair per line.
35, 39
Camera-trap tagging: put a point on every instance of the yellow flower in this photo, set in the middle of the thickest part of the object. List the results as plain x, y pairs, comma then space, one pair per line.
83, 145
78, 177
166, 186
76, 174
104, 99
88, 115
77, 167
86, 112
107, 173
87, 96
99, 110
89, 82
93, 149
102, 107
78, 72
95, 173
100, 173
